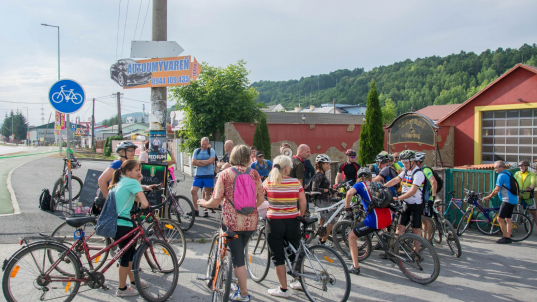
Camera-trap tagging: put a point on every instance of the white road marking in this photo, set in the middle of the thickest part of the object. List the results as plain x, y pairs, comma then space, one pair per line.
14, 203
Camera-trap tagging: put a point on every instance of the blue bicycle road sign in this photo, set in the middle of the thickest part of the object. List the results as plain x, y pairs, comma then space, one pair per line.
73, 127
67, 96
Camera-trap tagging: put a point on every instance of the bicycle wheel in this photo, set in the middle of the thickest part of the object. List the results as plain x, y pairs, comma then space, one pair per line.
422, 267
325, 274
223, 279
257, 255
173, 235
62, 192
178, 211
77, 98
211, 263
162, 278
484, 225
65, 233
522, 227
438, 231
340, 237
23, 278
464, 223
429, 224
452, 239
57, 97
57, 194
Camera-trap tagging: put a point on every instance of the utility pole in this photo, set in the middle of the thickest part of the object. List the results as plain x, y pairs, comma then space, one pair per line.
143, 113
119, 121
93, 125
46, 130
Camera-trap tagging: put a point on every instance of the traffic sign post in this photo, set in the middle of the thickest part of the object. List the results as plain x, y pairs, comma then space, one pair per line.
67, 96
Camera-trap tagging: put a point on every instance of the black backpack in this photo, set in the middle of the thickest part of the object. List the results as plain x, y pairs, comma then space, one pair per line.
381, 196
512, 183
44, 200
439, 180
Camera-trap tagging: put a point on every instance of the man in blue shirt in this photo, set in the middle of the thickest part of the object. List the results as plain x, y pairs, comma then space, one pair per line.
262, 165
509, 201
203, 158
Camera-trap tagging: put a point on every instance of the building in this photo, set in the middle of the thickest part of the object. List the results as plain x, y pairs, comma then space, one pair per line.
347, 109
128, 130
37, 133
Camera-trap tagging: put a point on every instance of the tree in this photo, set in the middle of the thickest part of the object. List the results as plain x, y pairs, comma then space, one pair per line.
219, 95
262, 138
19, 124
372, 134
389, 111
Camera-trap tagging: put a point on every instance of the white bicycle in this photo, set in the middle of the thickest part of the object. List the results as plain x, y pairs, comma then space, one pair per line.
58, 97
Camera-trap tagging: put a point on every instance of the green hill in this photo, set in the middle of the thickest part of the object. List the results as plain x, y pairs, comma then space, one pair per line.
410, 84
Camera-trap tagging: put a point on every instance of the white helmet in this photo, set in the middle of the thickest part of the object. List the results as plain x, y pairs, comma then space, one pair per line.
322, 158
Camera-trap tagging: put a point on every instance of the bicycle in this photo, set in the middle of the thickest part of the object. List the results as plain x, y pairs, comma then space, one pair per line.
178, 207
341, 230
523, 208
61, 277
521, 225
442, 227
257, 253
457, 202
314, 266
58, 97
60, 193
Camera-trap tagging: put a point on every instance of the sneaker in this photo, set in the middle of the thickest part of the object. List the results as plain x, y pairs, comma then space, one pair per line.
142, 285
129, 292
354, 270
236, 296
504, 240
295, 285
206, 214
277, 292
190, 213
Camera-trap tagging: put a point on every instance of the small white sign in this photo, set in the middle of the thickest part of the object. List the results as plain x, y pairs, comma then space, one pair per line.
155, 49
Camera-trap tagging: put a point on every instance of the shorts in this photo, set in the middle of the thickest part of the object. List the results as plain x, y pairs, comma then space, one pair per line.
129, 254
279, 231
529, 203
428, 209
414, 210
506, 210
323, 203
236, 246
203, 182
361, 230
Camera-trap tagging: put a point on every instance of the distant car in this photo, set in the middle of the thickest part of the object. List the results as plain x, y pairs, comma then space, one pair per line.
118, 73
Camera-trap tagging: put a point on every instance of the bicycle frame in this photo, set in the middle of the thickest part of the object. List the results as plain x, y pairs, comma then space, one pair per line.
339, 205
222, 253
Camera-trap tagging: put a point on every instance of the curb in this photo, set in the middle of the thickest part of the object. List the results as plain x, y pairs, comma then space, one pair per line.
92, 159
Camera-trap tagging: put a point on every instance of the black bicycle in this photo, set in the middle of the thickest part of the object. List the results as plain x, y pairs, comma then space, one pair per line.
60, 193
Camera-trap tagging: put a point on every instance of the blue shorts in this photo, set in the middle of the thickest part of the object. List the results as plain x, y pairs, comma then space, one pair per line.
203, 182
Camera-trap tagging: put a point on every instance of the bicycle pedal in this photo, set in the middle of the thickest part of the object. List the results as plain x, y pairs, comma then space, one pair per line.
204, 278
104, 287
290, 273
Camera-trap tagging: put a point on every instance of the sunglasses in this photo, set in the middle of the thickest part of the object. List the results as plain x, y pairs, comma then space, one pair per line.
261, 156
352, 156
397, 157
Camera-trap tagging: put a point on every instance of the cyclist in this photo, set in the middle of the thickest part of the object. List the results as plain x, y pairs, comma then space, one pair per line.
412, 180
348, 170
380, 161
126, 151
282, 193
243, 225
262, 165
203, 158
376, 219
394, 164
428, 206
126, 186
526, 184
387, 172
321, 184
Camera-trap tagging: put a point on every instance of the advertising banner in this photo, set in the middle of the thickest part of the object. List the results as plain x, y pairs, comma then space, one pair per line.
177, 118
59, 121
154, 174
157, 147
163, 72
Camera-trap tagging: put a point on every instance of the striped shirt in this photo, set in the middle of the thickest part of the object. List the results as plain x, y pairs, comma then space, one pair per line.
407, 181
282, 198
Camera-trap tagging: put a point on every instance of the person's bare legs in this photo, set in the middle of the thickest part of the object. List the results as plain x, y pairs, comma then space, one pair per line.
506, 225
353, 245
207, 193
194, 193
123, 273
240, 273
282, 276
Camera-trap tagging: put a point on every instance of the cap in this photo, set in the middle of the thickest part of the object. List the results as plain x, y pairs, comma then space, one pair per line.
259, 153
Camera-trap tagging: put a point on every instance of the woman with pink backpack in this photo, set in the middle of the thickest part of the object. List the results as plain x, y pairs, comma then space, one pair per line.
240, 191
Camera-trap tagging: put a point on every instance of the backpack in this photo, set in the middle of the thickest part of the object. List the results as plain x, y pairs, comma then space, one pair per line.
215, 166
44, 200
107, 222
439, 180
244, 192
512, 183
381, 196
426, 192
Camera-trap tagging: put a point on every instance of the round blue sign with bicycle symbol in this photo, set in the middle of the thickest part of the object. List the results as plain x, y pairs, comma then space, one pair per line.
67, 96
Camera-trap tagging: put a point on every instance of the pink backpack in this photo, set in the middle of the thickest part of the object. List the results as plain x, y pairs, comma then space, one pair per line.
244, 191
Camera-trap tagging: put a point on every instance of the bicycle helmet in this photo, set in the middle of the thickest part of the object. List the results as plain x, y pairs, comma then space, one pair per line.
407, 155
390, 157
419, 156
523, 163
364, 172
382, 158
350, 152
322, 158
125, 145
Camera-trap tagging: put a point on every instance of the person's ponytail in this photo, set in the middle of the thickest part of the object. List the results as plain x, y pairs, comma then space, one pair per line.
276, 174
115, 178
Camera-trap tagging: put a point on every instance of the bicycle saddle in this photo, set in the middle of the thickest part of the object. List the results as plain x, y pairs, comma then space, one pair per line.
307, 221
229, 235
77, 222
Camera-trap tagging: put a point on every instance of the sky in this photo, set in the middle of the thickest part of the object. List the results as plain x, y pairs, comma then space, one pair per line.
279, 40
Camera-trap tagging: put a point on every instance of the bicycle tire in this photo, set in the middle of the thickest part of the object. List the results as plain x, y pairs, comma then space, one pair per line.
185, 206
65, 233
211, 263
173, 235
484, 225
521, 225
340, 238
452, 239
257, 254
406, 243
76, 98
145, 273
438, 231
21, 265
63, 191
463, 224
330, 260
57, 97
223, 280
424, 220
57, 191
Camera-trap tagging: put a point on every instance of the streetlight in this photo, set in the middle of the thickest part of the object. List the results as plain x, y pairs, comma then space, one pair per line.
28, 123
59, 136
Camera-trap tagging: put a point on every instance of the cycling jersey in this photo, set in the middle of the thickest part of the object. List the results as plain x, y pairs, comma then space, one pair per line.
349, 171
410, 179
378, 218
388, 173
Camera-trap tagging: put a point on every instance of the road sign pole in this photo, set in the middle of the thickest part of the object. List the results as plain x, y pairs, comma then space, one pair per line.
68, 155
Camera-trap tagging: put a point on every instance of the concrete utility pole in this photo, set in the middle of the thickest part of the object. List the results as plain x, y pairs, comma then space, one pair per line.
119, 120
93, 125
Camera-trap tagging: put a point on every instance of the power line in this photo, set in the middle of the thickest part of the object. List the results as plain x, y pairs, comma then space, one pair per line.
125, 28
136, 28
146, 102
117, 36
148, 4
1, 101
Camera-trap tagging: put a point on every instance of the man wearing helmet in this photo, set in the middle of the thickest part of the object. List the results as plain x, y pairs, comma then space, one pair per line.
321, 184
349, 169
526, 185
377, 218
412, 180
386, 173
380, 162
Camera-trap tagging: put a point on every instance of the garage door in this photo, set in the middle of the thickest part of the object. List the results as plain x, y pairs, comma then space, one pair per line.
509, 135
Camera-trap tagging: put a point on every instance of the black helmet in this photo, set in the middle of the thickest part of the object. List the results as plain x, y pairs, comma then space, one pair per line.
382, 157
407, 154
350, 152
125, 145
364, 172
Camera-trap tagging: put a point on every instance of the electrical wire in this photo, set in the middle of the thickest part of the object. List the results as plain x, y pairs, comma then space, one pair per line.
125, 28
136, 28
148, 4
1, 101
145, 102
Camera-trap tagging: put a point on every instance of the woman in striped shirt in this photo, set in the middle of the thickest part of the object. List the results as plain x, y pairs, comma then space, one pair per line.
282, 193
